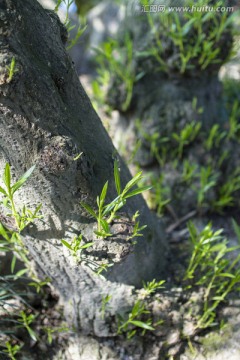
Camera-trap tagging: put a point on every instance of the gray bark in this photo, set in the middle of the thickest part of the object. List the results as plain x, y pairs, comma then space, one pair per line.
47, 119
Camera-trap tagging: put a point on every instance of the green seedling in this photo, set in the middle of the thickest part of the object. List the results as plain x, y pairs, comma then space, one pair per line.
38, 284
51, 331
102, 267
189, 171
194, 106
105, 301
106, 214
77, 156
186, 136
25, 321
16, 220
77, 249
80, 31
137, 229
134, 321
12, 350
236, 228
225, 196
209, 267
159, 146
152, 286
12, 69
234, 125
214, 138
67, 22
160, 194
75, 246
208, 180
116, 60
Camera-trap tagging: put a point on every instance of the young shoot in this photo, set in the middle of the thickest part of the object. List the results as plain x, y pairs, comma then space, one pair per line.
75, 246
107, 213
16, 220
134, 321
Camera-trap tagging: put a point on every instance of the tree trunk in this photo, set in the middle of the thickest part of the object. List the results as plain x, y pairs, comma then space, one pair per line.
47, 119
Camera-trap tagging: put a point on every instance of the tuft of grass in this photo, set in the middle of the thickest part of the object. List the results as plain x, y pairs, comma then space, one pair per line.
211, 268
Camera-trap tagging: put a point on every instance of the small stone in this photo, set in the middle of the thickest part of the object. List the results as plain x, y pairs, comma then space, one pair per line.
173, 337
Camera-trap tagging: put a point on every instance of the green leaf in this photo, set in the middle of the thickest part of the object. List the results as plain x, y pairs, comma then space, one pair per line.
137, 191
236, 228
20, 273
22, 179
134, 181
13, 263
102, 234
3, 232
103, 193
227, 275
105, 225
141, 325
3, 191
32, 333
112, 204
65, 243
117, 178
136, 308
89, 209
7, 177
87, 245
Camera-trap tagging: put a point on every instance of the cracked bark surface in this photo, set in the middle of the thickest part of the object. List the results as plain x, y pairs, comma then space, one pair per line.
47, 119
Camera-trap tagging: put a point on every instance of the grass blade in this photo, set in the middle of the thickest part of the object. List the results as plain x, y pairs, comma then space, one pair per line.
117, 178
22, 179
89, 209
7, 177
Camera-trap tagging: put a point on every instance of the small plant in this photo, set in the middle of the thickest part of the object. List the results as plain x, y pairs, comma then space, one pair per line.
186, 136
17, 221
236, 228
107, 213
50, 331
105, 301
189, 171
159, 146
12, 69
234, 126
214, 138
12, 350
119, 63
226, 192
77, 249
67, 22
160, 194
152, 286
129, 326
137, 228
38, 284
209, 267
75, 246
208, 180
25, 321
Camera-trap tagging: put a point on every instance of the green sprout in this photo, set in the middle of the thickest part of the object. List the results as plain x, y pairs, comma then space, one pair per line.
12, 69
209, 267
107, 213
75, 246
134, 321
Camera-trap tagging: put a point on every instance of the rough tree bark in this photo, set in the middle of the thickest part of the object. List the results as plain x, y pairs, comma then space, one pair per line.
47, 119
